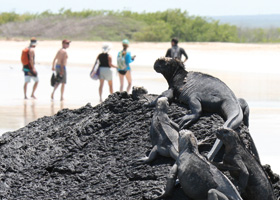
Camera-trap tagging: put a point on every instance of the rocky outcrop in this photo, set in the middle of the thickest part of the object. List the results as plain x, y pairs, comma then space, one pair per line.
89, 153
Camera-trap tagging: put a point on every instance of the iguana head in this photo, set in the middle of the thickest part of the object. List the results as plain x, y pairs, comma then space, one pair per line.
168, 66
162, 104
187, 141
227, 136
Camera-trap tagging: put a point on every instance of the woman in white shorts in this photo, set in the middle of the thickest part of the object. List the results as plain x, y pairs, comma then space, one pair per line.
105, 72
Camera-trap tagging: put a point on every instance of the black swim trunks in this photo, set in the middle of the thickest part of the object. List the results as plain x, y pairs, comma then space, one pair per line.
123, 72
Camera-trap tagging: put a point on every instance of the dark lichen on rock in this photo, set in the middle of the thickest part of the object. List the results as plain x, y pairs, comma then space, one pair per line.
89, 153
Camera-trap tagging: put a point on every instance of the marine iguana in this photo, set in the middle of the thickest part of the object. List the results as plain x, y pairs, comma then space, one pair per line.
199, 179
252, 180
203, 93
164, 133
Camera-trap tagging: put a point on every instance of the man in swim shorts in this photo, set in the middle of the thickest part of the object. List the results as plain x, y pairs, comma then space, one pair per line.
59, 65
29, 68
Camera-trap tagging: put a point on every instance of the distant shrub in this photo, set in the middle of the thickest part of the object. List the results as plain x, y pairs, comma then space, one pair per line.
259, 35
157, 32
6, 17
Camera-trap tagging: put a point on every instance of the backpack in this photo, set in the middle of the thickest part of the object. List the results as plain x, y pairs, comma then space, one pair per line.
121, 61
175, 52
25, 56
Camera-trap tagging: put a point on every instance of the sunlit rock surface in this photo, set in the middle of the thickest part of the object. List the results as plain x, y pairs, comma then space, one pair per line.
89, 153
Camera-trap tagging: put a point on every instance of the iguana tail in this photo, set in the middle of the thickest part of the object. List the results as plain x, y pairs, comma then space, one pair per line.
234, 118
245, 108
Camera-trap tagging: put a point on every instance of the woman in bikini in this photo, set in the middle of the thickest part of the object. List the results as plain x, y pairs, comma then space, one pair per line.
126, 72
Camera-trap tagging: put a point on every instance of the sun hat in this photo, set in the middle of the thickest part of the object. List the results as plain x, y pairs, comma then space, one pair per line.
125, 41
33, 41
106, 47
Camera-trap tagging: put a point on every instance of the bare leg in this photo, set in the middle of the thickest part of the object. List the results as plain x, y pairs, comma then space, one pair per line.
61, 105
55, 87
52, 108
121, 82
110, 83
25, 90
129, 81
101, 81
34, 89
62, 91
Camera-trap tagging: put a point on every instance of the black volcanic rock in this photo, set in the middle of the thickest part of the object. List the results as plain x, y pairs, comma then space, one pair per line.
89, 153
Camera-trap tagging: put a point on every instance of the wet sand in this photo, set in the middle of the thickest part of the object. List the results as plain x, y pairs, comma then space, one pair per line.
251, 70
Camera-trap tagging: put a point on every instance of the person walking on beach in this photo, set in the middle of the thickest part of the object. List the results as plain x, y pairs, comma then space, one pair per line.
28, 61
124, 59
59, 65
105, 72
175, 51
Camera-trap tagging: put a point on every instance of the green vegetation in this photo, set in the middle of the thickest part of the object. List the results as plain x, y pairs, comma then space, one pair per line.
259, 35
13, 17
112, 26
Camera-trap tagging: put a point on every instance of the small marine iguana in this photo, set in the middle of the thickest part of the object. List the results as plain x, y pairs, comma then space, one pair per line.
252, 180
202, 92
164, 133
199, 179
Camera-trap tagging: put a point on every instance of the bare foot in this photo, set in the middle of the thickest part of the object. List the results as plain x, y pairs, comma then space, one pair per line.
32, 96
52, 96
25, 97
61, 99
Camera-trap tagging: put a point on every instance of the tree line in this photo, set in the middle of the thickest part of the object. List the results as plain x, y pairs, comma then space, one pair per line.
163, 25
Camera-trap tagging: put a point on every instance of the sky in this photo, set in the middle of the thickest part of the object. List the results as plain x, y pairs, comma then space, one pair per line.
193, 7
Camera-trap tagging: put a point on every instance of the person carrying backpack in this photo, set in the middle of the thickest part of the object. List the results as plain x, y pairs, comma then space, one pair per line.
124, 59
28, 62
175, 51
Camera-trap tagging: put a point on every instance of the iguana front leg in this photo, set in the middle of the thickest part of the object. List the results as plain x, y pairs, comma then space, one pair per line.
175, 125
169, 94
171, 180
188, 119
243, 176
150, 158
241, 170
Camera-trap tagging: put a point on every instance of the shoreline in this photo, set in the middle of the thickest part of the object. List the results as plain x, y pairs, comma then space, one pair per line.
82, 53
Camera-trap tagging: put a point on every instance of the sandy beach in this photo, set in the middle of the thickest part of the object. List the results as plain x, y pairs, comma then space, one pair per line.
251, 70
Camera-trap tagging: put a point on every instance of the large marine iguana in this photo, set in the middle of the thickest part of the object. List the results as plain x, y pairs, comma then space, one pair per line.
198, 177
203, 93
252, 180
163, 133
